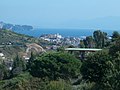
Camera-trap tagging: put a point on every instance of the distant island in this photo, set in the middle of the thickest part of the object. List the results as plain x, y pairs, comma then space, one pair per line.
12, 27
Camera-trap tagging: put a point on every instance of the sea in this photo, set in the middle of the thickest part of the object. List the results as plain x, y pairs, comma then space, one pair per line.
64, 32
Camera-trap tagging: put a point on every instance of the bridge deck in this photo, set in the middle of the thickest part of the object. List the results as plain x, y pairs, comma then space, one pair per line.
83, 49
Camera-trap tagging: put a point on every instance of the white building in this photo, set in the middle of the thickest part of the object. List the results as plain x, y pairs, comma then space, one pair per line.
58, 35
2, 56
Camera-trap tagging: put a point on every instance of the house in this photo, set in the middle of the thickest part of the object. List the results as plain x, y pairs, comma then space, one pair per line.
2, 56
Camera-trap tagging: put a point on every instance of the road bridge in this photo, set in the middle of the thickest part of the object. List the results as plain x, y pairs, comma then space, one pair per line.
82, 51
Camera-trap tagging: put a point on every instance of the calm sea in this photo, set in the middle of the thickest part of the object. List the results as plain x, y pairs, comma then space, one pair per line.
63, 32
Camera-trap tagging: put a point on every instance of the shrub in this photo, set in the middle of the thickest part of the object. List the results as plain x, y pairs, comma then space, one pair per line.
59, 85
56, 65
97, 67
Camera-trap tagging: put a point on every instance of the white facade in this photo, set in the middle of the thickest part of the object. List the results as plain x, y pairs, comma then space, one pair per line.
1, 55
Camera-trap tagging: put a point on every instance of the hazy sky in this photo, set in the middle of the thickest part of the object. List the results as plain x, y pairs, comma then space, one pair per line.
56, 13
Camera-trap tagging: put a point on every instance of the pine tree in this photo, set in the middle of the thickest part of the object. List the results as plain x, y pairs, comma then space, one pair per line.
18, 66
30, 61
3, 72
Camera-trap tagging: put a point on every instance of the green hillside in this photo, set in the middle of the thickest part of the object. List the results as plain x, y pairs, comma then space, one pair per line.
11, 43
7, 36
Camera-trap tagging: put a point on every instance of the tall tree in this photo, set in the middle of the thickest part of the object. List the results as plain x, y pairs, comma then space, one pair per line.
89, 42
82, 45
100, 38
115, 47
30, 61
115, 35
3, 72
18, 67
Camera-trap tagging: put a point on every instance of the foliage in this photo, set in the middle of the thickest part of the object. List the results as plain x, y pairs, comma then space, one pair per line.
115, 35
56, 65
7, 36
11, 43
27, 82
30, 61
96, 67
55, 70
3, 72
61, 49
14, 83
89, 42
103, 69
11, 51
18, 67
82, 45
59, 85
85, 86
100, 38
115, 47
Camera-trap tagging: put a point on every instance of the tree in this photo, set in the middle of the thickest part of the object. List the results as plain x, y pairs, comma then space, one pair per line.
82, 45
61, 49
3, 72
115, 35
103, 69
114, 80
18, 66
115, 47
100, 38
55, 65
96, 67
30, 61
89, 42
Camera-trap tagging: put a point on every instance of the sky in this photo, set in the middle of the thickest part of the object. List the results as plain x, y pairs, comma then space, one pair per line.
59, 13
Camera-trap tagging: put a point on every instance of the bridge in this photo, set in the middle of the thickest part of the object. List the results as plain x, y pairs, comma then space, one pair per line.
82, 51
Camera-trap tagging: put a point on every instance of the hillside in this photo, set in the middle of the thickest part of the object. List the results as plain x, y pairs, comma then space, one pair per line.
11, 43
7, 37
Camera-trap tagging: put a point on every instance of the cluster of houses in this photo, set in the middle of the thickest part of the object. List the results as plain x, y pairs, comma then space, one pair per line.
59, 39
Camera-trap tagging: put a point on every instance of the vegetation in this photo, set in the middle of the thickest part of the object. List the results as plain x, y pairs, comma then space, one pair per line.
27, 82
3, 72
103, 68
63, 71
98, 40
7, 37
11, 43
18, 67
55, 66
